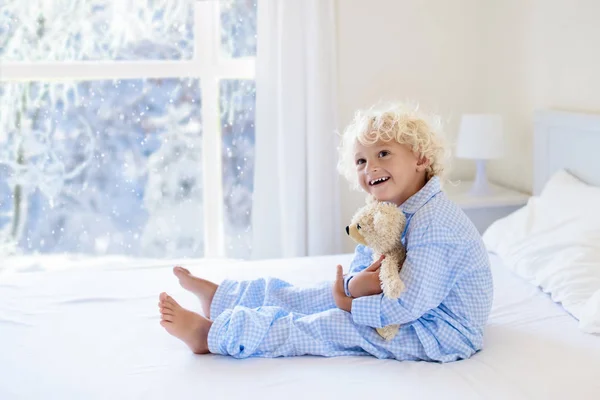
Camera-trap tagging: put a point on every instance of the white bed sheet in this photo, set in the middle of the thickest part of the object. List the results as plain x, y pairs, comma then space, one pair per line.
92, 331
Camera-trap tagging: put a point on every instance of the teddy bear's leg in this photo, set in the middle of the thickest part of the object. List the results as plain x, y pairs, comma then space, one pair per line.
388, 332
389, 275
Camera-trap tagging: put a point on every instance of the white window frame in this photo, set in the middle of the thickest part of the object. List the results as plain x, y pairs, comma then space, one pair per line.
206, 64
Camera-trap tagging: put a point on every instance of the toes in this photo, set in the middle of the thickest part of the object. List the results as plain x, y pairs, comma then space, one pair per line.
164, 324
180, 270
167, 317
170, 302
167, 311
167, 301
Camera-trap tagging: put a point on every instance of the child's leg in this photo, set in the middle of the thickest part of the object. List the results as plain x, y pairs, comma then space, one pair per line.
273, 332
252, 294
202, 288
267, 292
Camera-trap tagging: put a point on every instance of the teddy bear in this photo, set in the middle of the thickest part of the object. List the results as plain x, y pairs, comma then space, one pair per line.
379, 226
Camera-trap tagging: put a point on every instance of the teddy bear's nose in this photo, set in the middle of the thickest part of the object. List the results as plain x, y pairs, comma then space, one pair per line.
347, 230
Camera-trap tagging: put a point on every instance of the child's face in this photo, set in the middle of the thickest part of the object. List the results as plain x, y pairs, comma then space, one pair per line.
389, 171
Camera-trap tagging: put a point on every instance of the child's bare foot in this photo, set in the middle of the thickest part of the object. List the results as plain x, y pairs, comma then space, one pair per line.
186, 325
205, 290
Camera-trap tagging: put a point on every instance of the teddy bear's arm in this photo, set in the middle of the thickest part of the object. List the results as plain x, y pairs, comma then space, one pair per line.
389, 275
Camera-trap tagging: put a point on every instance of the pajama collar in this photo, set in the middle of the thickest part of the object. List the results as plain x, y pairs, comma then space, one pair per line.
419, 199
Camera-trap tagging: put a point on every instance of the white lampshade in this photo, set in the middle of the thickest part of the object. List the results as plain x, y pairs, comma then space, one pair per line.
480, 137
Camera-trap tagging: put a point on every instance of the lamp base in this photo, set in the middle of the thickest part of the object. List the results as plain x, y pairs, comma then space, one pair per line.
481, 186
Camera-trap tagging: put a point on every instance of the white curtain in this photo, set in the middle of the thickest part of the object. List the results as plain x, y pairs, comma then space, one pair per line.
296, 199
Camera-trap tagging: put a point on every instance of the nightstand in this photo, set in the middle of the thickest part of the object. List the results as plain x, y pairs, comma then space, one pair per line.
483, 210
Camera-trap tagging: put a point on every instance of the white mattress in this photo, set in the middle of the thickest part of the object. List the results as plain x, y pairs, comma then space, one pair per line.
90, 329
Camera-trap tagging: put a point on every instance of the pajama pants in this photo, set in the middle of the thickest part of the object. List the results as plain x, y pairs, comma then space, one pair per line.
271, 318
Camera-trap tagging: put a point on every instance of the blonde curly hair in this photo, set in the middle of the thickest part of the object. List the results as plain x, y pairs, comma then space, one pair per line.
402, 122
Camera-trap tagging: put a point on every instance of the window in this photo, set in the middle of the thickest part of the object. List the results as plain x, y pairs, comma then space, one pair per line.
127, 127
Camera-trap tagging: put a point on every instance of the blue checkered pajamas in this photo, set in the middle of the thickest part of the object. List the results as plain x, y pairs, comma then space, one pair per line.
442, 312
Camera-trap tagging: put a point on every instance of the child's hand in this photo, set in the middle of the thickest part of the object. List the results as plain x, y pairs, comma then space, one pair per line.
366, 282
339, 295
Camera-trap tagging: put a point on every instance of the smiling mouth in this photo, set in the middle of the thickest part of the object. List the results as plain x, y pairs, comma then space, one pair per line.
379, 181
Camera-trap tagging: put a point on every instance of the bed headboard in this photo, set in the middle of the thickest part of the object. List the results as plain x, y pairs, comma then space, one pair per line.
566, 140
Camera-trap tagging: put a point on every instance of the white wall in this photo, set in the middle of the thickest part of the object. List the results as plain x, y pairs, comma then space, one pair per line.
543, 54
506, 38
565, 65
509, 56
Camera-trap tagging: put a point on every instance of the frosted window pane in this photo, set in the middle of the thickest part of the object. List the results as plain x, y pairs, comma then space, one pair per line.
102, 167
237, 99
238, 28
67, 30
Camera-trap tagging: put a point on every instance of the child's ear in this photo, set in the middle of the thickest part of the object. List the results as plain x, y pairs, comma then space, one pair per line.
422, 164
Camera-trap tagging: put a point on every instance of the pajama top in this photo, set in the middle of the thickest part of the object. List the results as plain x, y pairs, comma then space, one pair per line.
448, 294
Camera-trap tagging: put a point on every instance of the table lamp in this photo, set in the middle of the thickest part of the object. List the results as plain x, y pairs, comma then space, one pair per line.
480, 138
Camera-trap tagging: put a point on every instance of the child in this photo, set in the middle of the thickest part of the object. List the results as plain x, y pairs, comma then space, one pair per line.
395, 154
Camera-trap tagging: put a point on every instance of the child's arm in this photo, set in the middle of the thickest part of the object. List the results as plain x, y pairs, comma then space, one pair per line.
339, 295
434, 262
365, 282
361, 261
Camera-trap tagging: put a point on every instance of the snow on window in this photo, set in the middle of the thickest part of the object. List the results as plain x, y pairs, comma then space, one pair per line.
238, 28
115, 166
237, 131
77, 30
117, 170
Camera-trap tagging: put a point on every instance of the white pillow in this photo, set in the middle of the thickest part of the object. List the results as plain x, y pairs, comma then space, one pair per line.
554, 242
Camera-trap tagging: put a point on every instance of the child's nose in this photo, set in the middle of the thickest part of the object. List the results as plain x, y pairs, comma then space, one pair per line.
372, 167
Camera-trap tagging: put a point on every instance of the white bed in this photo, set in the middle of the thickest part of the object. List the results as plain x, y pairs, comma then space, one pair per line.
89, 328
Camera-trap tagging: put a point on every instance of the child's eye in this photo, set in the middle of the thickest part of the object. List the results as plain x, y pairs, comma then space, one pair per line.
360, 161
383, 153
